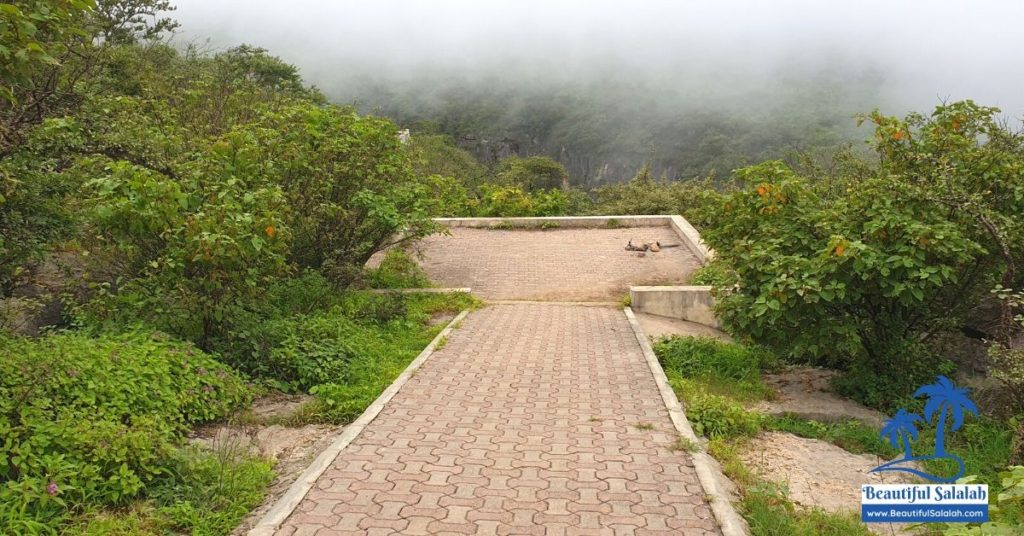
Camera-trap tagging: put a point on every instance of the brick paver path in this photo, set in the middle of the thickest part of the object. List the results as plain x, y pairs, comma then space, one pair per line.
554, 264
533, 419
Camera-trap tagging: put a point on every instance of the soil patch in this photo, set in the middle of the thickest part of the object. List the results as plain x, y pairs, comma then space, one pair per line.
817, 473
805, 392
292, 448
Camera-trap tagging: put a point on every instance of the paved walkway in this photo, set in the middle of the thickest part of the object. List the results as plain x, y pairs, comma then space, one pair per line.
533, 419
554, 264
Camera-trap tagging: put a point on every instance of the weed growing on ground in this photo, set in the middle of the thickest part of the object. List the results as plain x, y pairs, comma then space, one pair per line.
202, 491
685, 445
851, 435
398, 270
714, 379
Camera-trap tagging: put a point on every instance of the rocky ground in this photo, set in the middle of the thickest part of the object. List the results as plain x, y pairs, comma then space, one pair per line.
265, 431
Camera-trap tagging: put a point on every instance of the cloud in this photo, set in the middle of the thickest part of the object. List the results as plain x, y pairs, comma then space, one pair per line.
924, 51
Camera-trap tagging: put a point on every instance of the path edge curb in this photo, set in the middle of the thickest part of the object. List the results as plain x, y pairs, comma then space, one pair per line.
711, 478
286, 504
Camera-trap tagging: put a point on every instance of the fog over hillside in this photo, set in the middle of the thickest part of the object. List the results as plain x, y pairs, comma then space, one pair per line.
688, 86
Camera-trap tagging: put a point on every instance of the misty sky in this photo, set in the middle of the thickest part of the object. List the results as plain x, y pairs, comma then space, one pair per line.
923, 50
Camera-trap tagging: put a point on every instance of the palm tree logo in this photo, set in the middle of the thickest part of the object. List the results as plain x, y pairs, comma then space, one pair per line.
949, 403
901, 428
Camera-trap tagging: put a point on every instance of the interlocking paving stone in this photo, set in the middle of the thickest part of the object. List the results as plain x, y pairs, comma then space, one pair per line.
524, 423
554, 264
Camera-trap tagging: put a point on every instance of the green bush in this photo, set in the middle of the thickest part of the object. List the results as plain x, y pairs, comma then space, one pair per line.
191, 257
531, 174
90, 420
317, 349
31, 216
398, 270
512, 201
874, 384
348, 183
715, 274
356, 338
436, 154
855, 268
693, 199
1006, 517
209, 492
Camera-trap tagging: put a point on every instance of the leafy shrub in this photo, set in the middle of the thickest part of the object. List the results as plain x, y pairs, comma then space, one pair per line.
398, 270
316, 349
340, 403
302, 294
31, 216
209, 492
715, 274
191, 258
1007, 516
438, 155
876, 384
855, 270
355, 338
446, 197
693, 199
89, 420
1007, 362
347, 181
512, 201
532, 173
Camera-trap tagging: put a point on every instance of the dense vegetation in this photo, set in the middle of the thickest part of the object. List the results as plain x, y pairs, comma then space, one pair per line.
604, 125
717, 381
197, 222
195, 227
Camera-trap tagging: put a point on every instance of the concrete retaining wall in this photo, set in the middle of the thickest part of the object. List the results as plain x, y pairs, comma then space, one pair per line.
690, 303
687, 233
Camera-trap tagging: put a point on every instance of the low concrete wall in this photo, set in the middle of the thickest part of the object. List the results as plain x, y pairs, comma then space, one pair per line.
692, 238
690, 303
687, 233
422, 290
559, 221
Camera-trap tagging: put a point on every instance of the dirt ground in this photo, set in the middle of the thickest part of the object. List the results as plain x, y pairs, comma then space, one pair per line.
817, 473
292, 448
805, 391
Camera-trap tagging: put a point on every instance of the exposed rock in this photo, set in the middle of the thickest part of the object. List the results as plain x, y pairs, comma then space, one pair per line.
818, 474
805, 392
